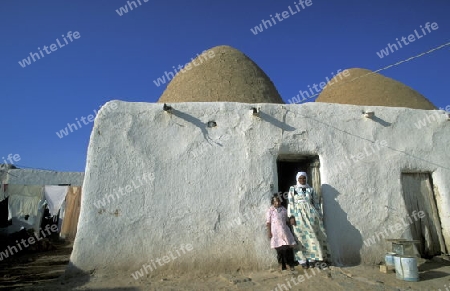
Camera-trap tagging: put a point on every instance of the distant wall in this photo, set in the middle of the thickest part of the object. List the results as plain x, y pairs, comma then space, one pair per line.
43, 177
210, 186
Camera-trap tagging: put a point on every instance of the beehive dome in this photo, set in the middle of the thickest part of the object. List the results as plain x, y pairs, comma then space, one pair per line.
372, 90
228, 76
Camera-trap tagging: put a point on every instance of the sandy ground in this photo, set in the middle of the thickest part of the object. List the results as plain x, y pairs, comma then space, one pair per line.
29, 269
45, 271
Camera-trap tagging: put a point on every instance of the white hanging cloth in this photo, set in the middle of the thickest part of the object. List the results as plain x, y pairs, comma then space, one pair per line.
55, 196
23, 200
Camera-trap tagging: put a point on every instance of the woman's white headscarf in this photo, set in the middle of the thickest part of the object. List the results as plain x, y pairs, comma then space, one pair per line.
298, 183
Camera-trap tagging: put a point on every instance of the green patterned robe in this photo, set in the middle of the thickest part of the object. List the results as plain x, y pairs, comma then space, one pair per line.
309, 231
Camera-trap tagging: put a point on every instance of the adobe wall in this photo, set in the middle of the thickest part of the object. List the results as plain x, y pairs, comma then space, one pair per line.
173, 181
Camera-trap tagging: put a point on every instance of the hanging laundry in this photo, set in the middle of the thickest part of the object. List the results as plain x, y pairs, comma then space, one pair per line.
38, 219
55, 196
23, 200
62, 211
71, 213
2, 192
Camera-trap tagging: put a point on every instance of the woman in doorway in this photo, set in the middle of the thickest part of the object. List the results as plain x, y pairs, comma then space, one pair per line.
306, 219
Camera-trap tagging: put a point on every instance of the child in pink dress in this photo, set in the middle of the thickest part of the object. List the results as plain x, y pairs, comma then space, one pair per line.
281, 238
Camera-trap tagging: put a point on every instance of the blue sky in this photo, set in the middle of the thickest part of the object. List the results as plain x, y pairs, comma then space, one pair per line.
118, 57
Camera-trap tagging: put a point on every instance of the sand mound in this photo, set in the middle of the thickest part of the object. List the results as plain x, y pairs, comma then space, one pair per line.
228, 76
372, 90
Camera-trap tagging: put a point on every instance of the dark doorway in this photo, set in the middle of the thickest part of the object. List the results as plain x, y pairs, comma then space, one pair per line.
289, 165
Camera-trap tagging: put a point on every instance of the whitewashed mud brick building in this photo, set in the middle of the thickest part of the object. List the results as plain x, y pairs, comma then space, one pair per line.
226, 141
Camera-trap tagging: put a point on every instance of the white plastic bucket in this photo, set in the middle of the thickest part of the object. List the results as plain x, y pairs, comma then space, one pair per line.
406, 268
389, 259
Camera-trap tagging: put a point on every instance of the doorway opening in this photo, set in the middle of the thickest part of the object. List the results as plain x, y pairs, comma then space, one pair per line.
418, 194
287, 168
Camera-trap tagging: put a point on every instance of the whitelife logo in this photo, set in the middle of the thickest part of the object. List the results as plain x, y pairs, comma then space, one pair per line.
205, 56
284, 14
435, 117
394, 228
412, 37
53, 48
11, 158
147, 177
304, 94
122, 10
90, 118
31, 240
166, 259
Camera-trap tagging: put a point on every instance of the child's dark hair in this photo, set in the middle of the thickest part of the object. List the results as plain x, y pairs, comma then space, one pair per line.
275, 196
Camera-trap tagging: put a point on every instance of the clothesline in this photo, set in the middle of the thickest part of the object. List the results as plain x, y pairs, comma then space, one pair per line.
24, 199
